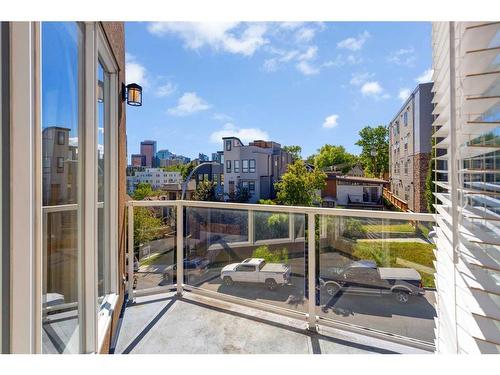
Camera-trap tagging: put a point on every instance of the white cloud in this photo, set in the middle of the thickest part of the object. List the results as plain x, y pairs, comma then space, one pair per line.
358, 79
341, 60
134, 71
189, 103
230, 37
306, 68
354, 43
222, 117
305, 35
404, 94
331, 121
371, 88
374, 89
166, 89
426, 76
403, 56
244, 134
310, 54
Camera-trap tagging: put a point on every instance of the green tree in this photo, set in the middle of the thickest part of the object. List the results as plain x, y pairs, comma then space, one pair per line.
298, 186
184, 169
146, 226
143, 190
240, 195
295, 151
206, 191
376, 139
331, 155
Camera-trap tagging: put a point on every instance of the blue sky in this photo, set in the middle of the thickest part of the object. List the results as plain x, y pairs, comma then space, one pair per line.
293, 83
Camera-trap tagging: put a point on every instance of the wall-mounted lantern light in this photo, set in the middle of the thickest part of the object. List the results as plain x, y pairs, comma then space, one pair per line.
132, 93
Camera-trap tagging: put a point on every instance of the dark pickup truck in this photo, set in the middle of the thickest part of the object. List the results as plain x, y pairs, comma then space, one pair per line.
363, 277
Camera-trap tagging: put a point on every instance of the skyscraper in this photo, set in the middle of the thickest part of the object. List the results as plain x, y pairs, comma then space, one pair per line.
148, 149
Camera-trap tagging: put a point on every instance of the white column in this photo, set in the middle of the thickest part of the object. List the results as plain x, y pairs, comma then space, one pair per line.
311, 271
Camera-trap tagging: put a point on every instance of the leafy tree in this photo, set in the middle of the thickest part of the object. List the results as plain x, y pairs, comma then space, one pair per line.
184, 169
143, 190
374, 138
310, 159
146, 226
295, 151
206, 191
330, 155
298, 186
240, 195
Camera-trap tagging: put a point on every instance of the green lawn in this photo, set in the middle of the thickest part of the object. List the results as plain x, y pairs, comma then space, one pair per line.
385, 254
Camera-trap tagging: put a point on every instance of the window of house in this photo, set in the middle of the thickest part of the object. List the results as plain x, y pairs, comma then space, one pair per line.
236, 166
228, 145
222, 178
405, 117
244, 184
245, 166
252, 165
228, 166
61, 138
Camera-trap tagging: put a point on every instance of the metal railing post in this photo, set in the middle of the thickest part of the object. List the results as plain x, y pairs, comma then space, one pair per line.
130, 254
180, 247
311, 272
251, 227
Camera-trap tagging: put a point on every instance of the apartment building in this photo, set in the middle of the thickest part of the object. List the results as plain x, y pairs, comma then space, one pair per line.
467, 134
256, 166
410, 148
156, 177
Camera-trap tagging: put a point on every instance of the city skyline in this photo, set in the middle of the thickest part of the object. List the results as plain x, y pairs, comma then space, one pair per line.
292, 83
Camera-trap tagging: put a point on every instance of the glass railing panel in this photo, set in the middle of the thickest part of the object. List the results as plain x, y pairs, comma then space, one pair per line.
154, 247
377, 273
246, 254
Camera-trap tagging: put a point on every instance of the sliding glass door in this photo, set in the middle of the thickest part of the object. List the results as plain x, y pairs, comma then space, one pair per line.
62, 129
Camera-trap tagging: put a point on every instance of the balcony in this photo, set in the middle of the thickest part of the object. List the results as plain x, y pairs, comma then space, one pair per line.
361, 281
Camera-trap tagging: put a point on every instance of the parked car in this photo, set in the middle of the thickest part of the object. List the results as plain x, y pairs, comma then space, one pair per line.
363, 277
256, 270
193, 269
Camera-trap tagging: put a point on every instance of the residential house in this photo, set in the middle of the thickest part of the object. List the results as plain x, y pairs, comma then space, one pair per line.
256, 166
352, 191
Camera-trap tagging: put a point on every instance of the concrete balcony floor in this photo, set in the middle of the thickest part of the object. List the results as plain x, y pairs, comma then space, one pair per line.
165, 324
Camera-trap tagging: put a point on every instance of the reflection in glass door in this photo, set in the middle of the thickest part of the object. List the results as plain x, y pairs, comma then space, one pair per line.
62, 85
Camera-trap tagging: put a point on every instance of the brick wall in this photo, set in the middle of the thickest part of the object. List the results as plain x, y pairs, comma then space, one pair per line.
421, 169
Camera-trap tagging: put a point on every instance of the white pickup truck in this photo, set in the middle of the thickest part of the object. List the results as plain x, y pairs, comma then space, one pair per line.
256, 270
